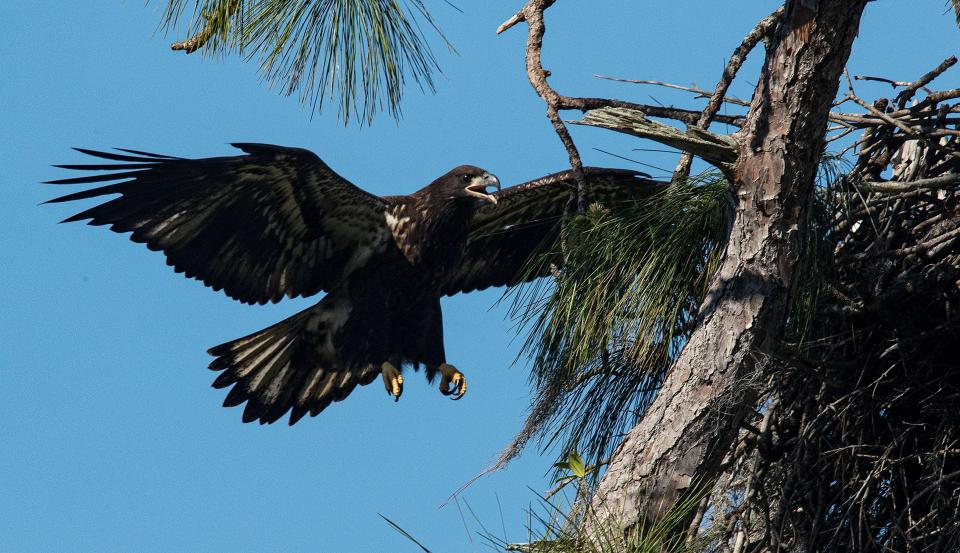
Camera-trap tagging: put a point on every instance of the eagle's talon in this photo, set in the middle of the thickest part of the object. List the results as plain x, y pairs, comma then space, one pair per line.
452, 382
392, 380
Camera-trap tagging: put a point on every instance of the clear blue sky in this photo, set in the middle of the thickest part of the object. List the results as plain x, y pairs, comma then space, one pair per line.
111, 438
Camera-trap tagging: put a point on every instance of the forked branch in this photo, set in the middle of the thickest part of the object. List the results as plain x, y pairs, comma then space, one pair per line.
532, 13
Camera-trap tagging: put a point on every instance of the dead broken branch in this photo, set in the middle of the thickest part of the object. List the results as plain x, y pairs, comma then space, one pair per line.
719, 150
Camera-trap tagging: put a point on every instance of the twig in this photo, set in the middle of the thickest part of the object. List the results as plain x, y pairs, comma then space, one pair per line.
869, 120
195, 42
938, 97
886, 118
923, 81
932, 183
532, 13
701, 93
911, 250
842, 134
890, 82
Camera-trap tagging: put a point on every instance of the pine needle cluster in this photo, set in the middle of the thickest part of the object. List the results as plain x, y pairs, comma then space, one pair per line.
359, 53
602, 333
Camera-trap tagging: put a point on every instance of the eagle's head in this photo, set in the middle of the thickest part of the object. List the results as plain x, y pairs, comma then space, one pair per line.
466, 181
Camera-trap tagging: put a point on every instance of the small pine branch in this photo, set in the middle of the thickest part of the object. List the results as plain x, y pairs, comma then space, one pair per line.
359, 53
603, 332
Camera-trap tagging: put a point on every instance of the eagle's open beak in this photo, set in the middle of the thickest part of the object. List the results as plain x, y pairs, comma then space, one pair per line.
478, 188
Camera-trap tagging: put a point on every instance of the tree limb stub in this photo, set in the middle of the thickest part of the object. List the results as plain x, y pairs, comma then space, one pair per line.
686, 431
195, 42
719, 150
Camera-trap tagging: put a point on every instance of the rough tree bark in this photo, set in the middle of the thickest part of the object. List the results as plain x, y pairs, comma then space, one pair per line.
686, 431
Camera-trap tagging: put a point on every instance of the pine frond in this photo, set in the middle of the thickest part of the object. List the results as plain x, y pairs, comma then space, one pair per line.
359, 53
603, 332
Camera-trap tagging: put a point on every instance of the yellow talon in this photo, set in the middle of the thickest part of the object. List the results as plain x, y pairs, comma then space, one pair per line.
452, 381
392, 380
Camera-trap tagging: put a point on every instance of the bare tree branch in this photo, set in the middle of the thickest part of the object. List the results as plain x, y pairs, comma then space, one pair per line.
932, 183
532, 13
688, 116
890, 82
701, 93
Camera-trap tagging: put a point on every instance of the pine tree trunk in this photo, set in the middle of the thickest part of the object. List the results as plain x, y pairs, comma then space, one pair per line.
691, 424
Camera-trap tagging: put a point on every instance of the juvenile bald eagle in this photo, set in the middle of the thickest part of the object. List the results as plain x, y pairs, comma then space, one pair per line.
279, 222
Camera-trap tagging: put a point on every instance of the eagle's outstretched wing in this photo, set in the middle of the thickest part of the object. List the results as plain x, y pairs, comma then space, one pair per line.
524, 222
275, 222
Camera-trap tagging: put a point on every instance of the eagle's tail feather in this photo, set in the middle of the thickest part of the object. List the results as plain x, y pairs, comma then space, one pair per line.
289, 366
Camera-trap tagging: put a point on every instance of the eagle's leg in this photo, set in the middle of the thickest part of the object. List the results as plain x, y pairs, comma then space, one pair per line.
392, 379
452, 381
